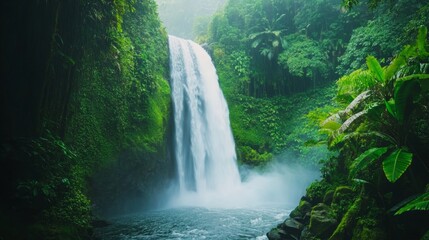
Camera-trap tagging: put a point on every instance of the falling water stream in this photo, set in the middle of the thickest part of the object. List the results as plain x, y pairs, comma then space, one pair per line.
204, 146
208, 200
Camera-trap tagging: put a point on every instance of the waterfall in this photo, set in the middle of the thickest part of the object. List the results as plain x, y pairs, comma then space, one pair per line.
203, 143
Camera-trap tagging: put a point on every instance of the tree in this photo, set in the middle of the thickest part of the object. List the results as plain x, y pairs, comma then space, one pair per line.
304, 58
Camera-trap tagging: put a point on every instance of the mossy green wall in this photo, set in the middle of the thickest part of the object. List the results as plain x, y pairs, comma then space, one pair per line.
120, 108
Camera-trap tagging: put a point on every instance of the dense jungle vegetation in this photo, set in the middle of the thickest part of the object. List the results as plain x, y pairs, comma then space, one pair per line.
375, 121
277, 60
85, 102
340, 85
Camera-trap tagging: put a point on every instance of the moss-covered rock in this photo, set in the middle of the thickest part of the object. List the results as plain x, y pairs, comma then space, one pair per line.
316, 191
322, 221
343, 198
306, 234
329, 195
277, 234
345, 227
301, 210
342, 192
368, 234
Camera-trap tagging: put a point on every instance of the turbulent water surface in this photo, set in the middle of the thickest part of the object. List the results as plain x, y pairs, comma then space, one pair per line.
195, 223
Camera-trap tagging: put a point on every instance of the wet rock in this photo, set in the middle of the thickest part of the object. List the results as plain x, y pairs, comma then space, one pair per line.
306, 219
293, 227
300, 211
307, 235
296, 214
277, 234
322, 221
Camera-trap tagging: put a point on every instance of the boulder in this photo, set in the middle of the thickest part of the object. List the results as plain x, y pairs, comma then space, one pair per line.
274, 234
296, 214
280, 234
293, 227
307, 235
300, 211
322, 221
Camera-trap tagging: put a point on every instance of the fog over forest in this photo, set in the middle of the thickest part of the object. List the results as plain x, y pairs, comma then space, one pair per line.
187, 18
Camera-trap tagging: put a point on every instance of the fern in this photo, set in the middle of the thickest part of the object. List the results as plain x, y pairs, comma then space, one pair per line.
420, 203
396, 164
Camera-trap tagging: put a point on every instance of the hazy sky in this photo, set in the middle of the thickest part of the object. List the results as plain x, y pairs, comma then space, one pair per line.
179, 16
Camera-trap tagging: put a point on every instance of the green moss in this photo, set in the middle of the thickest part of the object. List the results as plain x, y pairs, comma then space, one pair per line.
316, 191
322, 220
348, 221
122, 101
329, 195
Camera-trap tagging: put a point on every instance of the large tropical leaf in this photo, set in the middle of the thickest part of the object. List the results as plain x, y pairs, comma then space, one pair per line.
391, 107
357, 101
398, 62
420, 77
366, 158
404, 93
421, 41
352, 120
375, 68
256, 42
420, 203
331, 125
396, 164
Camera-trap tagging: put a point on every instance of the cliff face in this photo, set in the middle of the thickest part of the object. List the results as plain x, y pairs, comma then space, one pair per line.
86, 105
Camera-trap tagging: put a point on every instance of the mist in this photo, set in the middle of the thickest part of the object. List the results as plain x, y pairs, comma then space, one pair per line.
278, 184
187, 18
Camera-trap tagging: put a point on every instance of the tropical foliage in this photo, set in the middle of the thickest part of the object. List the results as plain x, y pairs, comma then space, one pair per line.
86, 83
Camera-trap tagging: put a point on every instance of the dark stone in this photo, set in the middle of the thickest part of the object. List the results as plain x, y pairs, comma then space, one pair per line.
322, 221
306, 219
293, 227
296, 213
307, 235
274, 234
304, 206
279, 234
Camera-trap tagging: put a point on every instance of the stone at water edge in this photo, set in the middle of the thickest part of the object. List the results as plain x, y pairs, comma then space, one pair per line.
292, 226
300, 211
322, 221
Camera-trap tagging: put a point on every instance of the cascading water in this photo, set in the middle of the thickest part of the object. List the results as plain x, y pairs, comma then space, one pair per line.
217, 205
203, 142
